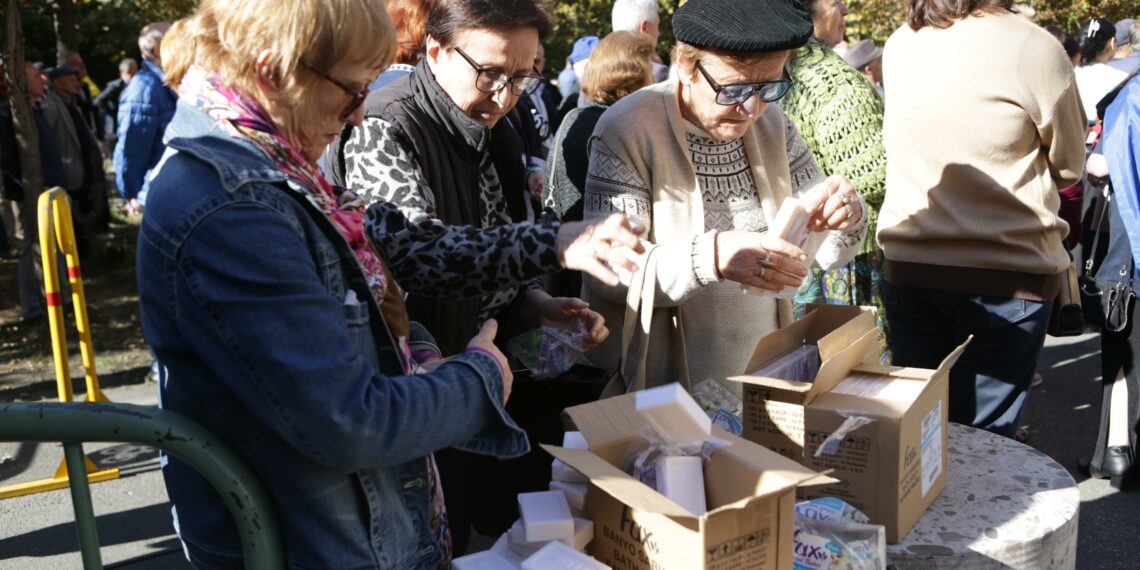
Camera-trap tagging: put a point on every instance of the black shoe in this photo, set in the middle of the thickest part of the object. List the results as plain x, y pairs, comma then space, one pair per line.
1116, 466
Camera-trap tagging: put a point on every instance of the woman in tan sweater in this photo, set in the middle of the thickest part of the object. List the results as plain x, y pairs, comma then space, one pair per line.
704, 161
984, 126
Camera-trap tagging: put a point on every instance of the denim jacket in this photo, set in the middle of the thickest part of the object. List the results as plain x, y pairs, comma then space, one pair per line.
242, 287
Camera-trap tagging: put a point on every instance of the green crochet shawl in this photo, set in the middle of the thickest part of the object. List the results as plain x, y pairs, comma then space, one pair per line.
840, 116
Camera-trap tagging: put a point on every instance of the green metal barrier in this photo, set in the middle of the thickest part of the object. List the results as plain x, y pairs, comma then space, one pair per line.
74, 423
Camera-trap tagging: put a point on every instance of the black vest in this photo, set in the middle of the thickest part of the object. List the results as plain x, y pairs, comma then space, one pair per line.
448, 146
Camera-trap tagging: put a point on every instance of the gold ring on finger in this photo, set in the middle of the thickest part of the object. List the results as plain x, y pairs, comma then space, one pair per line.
850, 211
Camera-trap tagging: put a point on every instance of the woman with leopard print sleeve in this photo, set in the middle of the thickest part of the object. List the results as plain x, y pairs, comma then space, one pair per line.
434, 153
433, 144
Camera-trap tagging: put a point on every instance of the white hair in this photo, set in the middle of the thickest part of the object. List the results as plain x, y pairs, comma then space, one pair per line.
629, 14
150, 38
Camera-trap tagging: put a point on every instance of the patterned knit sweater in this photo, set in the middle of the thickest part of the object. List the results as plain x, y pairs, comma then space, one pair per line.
684, 187
840, 117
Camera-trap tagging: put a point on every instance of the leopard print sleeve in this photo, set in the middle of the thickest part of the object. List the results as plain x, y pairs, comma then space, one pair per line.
380, 168
435, 259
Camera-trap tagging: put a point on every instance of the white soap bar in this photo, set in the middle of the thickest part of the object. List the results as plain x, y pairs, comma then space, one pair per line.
674, 414
682, 480
502, 547
575, 493
558, 556
583, 533
791, 223
560, 471
546, 516
516, 538
574, 440
486, 560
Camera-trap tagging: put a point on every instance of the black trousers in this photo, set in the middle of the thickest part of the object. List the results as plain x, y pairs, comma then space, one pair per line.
1118, 352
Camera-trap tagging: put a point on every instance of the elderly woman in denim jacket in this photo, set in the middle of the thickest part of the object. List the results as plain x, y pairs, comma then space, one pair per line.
279, 323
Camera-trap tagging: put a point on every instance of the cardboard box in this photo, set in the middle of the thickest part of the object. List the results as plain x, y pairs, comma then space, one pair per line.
773, 408
750, 495
891, 468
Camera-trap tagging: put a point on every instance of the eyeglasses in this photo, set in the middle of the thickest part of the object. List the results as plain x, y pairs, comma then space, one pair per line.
737, 93
493, 80
358, 97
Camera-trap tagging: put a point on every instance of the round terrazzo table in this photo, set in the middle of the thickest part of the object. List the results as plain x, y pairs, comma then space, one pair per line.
1005, 505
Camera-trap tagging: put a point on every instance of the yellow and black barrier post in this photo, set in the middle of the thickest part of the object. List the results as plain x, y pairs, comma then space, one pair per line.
57, 236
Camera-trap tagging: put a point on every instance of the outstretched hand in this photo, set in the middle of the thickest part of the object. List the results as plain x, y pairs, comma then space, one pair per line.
600, 246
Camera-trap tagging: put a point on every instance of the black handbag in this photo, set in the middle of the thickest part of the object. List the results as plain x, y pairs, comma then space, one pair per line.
1107, 303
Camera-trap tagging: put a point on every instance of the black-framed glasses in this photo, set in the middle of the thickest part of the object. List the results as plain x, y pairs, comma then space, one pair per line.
737, 93
358, 96
493, 80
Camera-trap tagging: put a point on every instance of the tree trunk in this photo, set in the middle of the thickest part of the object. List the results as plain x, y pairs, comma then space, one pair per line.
66, 32
24, 122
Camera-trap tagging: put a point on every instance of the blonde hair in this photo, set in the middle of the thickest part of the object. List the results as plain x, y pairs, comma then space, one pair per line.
226, 36
620, 64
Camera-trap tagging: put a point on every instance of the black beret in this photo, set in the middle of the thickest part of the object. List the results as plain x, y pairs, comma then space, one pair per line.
743, 25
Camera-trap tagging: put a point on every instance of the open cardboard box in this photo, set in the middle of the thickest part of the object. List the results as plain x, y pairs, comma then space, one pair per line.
891, 468
773, 408
750, 491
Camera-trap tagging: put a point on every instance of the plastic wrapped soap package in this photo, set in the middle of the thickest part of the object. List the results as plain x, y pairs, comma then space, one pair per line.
832, 535
799, 365
548, 352
720, 404
640, 460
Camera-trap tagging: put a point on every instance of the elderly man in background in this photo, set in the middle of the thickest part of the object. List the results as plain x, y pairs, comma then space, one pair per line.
867, 58
56, 103
1127, 57
88, 90
146, 107
30, 284
641, 16
79, 151
108, 99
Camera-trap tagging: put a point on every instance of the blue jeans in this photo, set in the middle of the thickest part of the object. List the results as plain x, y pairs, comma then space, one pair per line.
990, 382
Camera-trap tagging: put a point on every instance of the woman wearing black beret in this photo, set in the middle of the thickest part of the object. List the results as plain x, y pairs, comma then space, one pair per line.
705, 162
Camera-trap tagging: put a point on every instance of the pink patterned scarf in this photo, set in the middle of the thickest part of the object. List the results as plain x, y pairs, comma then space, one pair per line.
244, 118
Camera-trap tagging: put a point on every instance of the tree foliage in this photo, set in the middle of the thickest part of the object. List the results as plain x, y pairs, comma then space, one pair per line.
107, 30
578, 18
877, 19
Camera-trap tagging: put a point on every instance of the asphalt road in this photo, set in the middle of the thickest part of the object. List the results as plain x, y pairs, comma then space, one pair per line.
133, 516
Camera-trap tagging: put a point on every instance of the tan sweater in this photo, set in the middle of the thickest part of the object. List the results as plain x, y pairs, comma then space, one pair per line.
983, 126
641, 165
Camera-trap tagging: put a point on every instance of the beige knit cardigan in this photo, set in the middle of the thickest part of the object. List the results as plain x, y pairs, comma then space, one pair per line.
640, 141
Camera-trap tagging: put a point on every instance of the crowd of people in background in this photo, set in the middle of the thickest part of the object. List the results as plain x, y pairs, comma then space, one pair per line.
78, 126
393, 189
